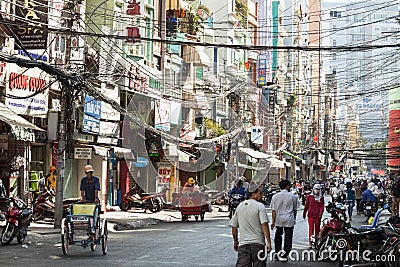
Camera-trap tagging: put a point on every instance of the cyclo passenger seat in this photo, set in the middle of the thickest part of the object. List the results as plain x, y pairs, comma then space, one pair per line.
87, 209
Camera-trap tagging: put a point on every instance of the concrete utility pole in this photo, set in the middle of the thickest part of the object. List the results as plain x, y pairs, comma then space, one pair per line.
65, 123
326, 122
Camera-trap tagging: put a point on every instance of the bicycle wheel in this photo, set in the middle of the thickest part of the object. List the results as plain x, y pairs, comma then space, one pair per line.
65, 237
104, 238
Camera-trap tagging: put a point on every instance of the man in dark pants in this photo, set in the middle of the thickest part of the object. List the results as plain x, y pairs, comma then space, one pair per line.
251, 217
284, 210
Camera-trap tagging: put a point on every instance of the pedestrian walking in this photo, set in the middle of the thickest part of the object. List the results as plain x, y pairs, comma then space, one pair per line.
284, 211
252, 218
358, 196
350, 198
395, 190
313, 210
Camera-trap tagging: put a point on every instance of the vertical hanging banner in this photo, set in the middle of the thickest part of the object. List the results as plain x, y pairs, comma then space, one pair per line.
30, 18
91, 118
163, 115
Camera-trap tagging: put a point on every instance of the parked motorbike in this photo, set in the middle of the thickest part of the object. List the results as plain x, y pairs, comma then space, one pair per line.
234, 201
381, 201
135, 198
44, 206
369, 209
162, 199
381, 243
4, 205
336, 224
18, 217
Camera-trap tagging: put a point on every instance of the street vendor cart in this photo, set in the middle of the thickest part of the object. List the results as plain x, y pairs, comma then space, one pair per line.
193, 204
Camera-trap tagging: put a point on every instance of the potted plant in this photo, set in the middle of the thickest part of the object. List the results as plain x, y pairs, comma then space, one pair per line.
193, 22
203, 12
241, 10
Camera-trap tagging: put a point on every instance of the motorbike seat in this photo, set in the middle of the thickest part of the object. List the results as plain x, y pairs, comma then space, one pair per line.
26, 212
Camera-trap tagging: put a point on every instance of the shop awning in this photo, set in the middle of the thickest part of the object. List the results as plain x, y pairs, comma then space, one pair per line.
255, 168
184, 156
276, 163
255, 154
21, 128
101, 151
119, 152
122, 152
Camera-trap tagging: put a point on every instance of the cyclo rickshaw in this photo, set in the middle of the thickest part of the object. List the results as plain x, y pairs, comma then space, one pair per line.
84, 217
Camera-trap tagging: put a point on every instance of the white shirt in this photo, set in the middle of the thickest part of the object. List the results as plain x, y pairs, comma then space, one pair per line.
378, 191
347, 180
284, 204
249, 216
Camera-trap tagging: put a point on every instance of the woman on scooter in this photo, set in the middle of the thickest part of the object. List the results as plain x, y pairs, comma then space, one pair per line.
314, 209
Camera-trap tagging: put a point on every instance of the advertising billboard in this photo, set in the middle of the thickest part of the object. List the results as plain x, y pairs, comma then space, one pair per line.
30, 18
92, 114
27, 90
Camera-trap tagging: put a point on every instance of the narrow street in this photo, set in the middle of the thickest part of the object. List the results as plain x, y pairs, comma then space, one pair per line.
207, 243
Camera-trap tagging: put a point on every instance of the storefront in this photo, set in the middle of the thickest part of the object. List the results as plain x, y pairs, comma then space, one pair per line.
16, 138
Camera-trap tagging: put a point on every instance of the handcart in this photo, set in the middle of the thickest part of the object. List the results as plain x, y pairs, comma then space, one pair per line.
84, 217
191, 204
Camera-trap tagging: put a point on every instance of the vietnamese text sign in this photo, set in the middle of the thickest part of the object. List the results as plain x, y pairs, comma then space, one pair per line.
83, 153
23, 83
31, 17
92, 113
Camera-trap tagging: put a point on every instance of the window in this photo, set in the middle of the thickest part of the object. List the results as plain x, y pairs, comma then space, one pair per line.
335, 14
334, 56
199, 72
334, 42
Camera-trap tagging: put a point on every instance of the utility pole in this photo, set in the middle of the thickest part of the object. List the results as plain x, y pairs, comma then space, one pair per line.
327, 114
65, 122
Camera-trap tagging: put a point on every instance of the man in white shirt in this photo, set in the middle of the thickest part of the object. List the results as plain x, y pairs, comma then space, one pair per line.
378, 190
284, 211
251, 217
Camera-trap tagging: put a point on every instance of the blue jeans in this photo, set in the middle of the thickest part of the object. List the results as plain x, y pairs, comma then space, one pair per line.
351, 206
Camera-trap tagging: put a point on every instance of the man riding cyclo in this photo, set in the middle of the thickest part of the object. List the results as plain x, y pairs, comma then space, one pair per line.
90, 187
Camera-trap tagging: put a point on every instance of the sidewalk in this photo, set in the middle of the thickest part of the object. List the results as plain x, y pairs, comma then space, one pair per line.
118, 220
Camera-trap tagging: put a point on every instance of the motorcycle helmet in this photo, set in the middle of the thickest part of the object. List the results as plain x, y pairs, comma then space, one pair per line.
329, 207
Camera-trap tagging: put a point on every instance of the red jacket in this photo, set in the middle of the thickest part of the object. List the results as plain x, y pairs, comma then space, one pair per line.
315, 208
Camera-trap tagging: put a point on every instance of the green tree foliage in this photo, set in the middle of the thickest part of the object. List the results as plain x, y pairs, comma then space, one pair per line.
241, 10
214, 128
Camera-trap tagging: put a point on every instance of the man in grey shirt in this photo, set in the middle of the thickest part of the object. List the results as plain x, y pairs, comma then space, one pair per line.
251, 218
284, 209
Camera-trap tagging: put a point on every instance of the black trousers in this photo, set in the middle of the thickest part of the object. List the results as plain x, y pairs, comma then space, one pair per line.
287, 247
359, 206
251, 255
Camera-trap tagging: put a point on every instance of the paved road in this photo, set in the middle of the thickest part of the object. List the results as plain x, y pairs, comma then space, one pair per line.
207, 243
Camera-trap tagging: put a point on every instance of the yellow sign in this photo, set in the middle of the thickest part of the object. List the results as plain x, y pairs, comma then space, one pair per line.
190, 203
